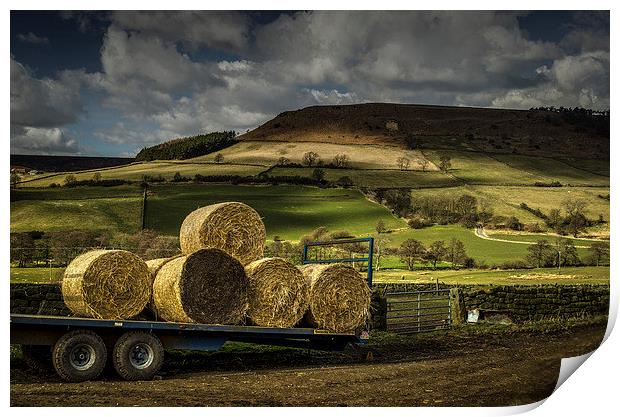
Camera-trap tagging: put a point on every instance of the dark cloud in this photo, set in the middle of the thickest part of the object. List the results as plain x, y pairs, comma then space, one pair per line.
160, 71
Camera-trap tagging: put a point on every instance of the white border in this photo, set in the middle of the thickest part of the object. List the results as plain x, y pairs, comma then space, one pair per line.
592, 390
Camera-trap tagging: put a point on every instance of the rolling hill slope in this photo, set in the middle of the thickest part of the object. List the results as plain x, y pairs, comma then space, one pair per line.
540, 133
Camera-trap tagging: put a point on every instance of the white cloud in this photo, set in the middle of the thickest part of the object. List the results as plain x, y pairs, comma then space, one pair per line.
32, 38
215, 29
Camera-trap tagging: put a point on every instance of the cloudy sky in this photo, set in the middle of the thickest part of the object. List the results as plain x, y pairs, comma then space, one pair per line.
110, 83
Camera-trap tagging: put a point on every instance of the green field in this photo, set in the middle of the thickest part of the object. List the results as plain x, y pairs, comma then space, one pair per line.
135, 172
500, 169
535, 237
566, 276
110, 214
375, 178
505, 200
36, 275
288, 211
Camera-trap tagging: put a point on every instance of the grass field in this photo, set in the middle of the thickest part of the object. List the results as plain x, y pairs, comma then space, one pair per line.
288, 211
566, 276
535, 237
376, 178
482, 250
36, 275
505, 200
135, 172
479, 168
361, 156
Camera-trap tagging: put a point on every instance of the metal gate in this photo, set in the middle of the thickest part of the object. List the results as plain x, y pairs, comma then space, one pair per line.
418, 311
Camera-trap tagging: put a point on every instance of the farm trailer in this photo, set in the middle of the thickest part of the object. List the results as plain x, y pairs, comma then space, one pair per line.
80, 347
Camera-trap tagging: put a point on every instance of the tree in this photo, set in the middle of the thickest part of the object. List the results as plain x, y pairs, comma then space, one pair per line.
380, 227
15, 179
455, 252
70, 180
554, 220
399, 201
379, 251
424, 164
410, 251
344, 181
435, 252
318, 174
599, 253
513, 223
219, 158
22, 248
283, 161
310, 159
540, 254
177, 177
403, 163
566, 253
575, 219
96, 177
341, 160
445, 163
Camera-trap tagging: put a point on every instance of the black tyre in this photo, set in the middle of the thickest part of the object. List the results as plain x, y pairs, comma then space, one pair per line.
137, 356
38, 358
79, 355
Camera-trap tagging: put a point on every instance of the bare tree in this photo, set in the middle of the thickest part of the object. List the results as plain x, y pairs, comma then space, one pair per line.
341, 160
219, 158
403, 163
310, 159
424, 164
445, 163
410, 252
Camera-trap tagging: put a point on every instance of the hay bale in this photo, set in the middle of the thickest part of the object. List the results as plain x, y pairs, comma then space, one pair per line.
107, 284
278, 293
154, 265
207, 286
339, 297
235, 228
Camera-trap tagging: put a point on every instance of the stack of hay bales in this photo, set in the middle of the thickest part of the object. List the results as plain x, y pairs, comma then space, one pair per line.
220, 278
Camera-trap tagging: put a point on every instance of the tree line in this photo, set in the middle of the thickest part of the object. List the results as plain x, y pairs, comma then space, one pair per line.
188, 147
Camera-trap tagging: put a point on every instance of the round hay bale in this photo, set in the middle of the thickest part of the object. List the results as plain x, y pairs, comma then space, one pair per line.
339, 297
207, 286
278, 293
154, 265
235, 228
107, 284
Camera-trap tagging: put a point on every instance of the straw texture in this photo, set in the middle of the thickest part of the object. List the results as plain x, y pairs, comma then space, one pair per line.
235, 228
278, 293
207, 286
107, 284
339, 297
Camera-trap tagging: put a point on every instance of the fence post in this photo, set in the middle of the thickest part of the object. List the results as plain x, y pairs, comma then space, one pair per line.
457, 304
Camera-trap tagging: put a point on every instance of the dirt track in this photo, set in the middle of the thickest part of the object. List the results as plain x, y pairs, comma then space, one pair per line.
458, 368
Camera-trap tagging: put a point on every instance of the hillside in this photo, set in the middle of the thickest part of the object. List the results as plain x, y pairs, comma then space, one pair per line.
528, 132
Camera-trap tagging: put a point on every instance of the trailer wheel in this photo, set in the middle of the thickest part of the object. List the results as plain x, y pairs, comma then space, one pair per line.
138, 356
79, 355
37, 358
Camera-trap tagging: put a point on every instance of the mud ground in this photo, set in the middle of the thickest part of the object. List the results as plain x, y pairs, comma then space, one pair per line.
496, 366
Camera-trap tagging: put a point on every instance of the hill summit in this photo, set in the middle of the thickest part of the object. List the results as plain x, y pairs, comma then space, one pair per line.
545, 132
